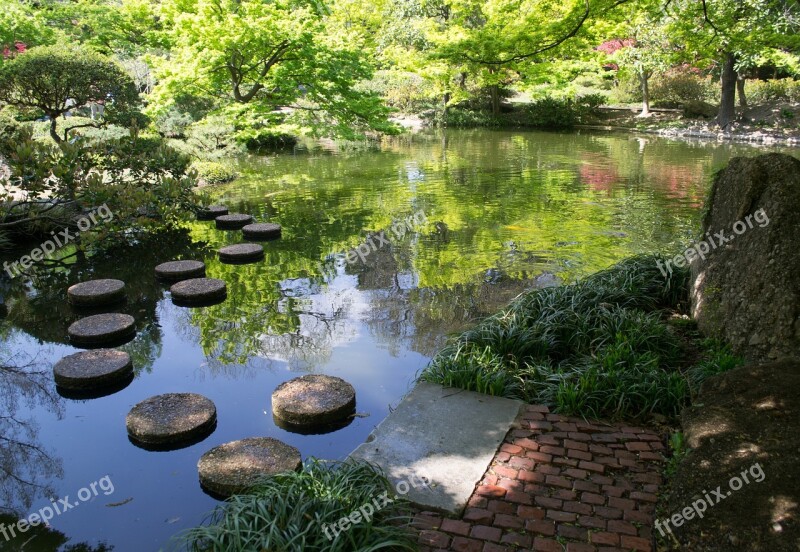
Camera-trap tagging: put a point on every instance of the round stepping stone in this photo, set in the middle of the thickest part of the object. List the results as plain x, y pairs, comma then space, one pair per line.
233, 222
313, 400
198, 291
236, 466
170, 418
211, 212
88, 369
241, 253
102, 329
262, 231
175, 271
96, 293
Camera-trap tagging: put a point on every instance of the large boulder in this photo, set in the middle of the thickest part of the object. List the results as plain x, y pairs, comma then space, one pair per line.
746, 289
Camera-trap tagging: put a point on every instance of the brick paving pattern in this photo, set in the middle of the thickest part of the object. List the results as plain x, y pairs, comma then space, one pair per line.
558, 484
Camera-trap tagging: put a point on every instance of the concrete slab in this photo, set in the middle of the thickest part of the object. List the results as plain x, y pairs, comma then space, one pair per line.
446, 435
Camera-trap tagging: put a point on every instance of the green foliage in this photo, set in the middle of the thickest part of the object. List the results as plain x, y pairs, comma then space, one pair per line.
172, 123
717, 358
403, 90
214, 172
598, 347
680, 85
762, 91
56, 79
288, 512
679, 449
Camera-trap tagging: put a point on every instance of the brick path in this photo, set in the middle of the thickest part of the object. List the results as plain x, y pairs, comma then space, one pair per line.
558, 483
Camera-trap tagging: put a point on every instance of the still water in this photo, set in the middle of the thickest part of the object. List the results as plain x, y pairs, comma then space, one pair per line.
492, 214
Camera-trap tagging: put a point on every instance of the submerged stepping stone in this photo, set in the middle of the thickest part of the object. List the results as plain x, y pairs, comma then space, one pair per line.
313, 400
233, 222
88, 369
102, 329
175, 271
171, 418
236, 466
241, 253
96, 293
199, 292
211, 212
262, 231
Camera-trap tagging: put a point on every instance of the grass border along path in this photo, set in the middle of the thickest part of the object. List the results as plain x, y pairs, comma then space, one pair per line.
607, 346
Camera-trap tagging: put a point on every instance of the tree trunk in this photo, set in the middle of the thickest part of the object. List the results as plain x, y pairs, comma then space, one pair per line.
740, 80
445, 101
645, 80
495, 94
53, 133
727, 104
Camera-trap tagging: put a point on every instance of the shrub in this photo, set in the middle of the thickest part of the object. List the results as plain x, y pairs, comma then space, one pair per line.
289, 512
214, 172
680, 85
405, 91
173, 123
758, 91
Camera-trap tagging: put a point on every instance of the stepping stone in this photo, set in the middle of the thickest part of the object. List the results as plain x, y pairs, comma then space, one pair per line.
211, 212
96, 293
262, 231
171, 418
313, 400
236, 466
199, 292
88, 369
233, 222
241, 253
102, 329
449, 435
175, 271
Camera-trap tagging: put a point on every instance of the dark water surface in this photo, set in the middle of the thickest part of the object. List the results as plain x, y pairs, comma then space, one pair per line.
496, 213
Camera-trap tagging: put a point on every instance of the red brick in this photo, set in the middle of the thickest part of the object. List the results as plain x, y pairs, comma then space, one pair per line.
593, 522
485, 532
521, 463
535, 489
519, 497
478, 515
636, 516
657, 445
651, 456
546, 545
577, 445
489, 479
491, 490
527, 444
548, 502
591, 466
603, 438
608, 513
476, 501
558, 515
455, 526
502, 457
525, 475
506, 521
578, 436
434, 538
600, 449
652, 478
622, 503
647, 497
592, 498
586, 486
576, 473
602, 537
511, 484
425, 521
504, 471
530, 512
565, 426
637, 446
579, 454
561, 461
580, 547
619, 526
501, 507
548, 440
533, 416
511, 449
540, 425
578, 508
550, 449
636, 543
616, 492
572, 532
538, 408
517, 539
565, 494
624, 454
558, 481
612, 463
463, 544
548, 469
601, 479
542, 527
557, 418
492, 547
539, 456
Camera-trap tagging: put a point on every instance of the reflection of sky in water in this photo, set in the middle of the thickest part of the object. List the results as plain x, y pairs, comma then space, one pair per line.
506, 212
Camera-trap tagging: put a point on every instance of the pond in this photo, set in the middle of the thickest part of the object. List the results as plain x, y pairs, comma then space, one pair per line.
469, 218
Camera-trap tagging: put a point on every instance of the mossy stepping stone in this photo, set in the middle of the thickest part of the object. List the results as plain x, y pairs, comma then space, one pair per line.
313, 400
199, 292
90, 369
171, 418
241, 253
102, 329
96, 293
175, 271
262, 231
233, 222
234, 467
211, 212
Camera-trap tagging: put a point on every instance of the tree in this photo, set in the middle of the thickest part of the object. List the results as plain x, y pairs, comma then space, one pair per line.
57, 79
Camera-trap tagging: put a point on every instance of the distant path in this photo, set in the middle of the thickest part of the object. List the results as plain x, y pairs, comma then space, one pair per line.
589, 485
